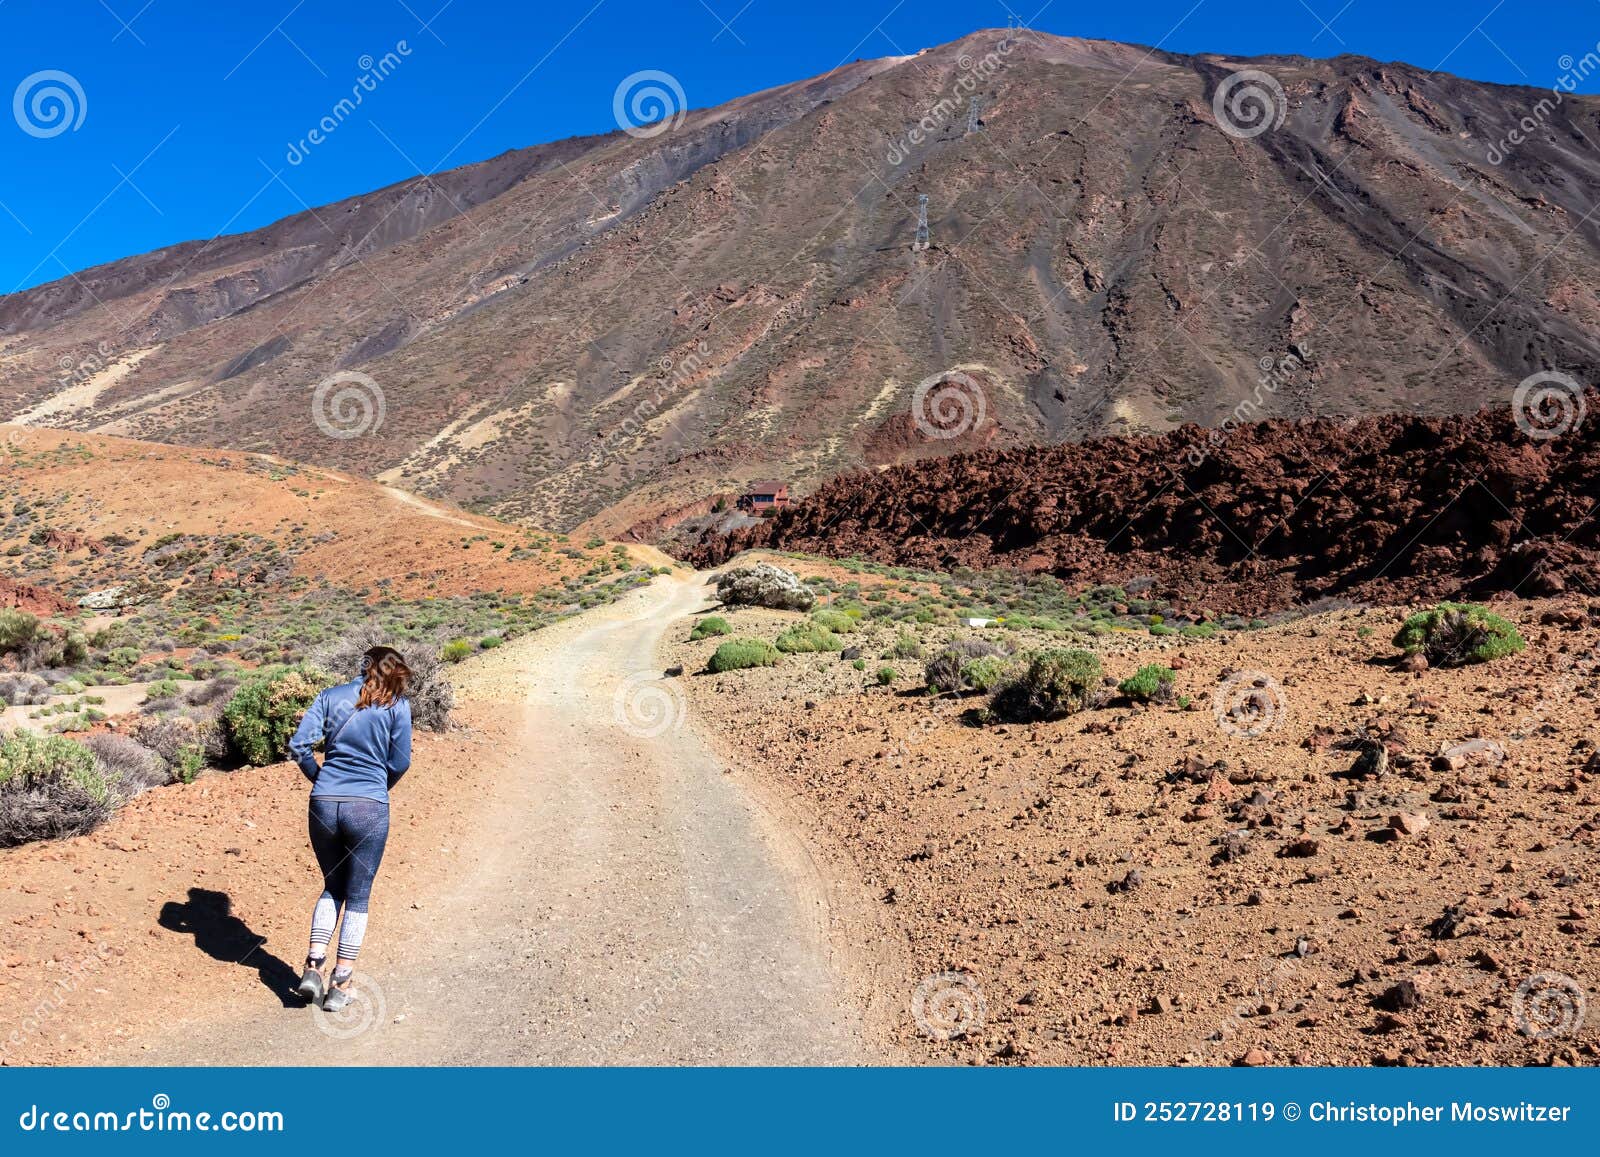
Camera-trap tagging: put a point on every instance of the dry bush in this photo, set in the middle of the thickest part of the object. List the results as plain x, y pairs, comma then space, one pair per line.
127, 764
430, 692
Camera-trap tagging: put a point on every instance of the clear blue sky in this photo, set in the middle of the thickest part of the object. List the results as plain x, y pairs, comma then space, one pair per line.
190, 106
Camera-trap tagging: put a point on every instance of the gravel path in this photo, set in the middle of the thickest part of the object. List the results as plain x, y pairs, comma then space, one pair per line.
620, 900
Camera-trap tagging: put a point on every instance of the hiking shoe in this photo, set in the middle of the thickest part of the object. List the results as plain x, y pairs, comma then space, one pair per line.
337, 1000
311, 986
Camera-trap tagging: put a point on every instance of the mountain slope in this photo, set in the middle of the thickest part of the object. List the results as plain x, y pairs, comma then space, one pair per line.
601, 330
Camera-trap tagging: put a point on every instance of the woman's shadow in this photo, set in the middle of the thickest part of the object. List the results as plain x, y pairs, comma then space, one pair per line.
208, 917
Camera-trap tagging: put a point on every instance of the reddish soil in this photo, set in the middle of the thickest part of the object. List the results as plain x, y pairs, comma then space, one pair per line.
1382, 509
195, 895
1141, 885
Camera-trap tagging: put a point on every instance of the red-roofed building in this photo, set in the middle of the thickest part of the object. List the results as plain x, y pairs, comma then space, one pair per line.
760, 497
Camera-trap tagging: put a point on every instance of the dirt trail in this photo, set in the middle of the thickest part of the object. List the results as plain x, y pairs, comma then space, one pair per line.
617, 899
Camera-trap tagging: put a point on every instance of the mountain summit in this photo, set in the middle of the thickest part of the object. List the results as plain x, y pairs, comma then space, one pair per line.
607, 330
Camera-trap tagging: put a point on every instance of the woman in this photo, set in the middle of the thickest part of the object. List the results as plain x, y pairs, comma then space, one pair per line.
365, 729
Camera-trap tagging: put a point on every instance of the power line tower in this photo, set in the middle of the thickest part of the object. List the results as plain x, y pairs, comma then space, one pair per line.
921, 242
972, 115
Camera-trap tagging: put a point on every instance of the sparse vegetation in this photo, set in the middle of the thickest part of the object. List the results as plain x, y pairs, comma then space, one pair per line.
806, 638
1053, 684
738, 654
709, 626
49, 787
1150, 682
946, 672
264, 711
1454, 634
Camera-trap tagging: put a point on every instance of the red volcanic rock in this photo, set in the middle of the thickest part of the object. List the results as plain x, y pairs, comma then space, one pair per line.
1383, 509
33, 599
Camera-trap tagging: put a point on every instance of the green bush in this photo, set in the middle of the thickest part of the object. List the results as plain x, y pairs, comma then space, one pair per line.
1454, 634
709, 626
859, 664
122, 657
490, 642
807, 638
455, 650
983, 674
906, 646
49, 787
1053, 684
832, 620
17, 629
163, 689
1152, 681
947, 671
885, 676
737, 654
264, 711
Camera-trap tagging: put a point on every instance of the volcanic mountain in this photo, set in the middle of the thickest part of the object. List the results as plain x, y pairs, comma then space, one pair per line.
607, 330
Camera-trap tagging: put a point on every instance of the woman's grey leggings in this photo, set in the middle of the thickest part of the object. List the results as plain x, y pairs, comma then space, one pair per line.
348, 837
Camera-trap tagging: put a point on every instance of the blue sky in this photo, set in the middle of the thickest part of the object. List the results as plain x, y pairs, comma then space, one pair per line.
189, 108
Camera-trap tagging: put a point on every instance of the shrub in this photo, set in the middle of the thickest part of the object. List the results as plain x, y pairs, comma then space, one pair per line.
490, 642
708, 626
164, 689
430, 692
983, 674
804, 638
1453, 634
833, 620
127, 763
266, 708
1053, 684
1152, 681
17, 629
859, 664
943, 673
455, 650
23, 690
168, 735
49, 787
885, 676
737, 654
906, 646
122, 657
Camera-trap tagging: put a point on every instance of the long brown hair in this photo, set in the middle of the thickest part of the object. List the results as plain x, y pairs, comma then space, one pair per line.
385, 678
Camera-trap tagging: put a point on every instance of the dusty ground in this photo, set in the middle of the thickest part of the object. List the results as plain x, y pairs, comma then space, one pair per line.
571, 878
1138, 885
